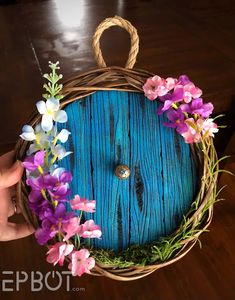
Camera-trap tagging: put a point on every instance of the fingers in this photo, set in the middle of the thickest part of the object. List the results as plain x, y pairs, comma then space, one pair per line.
11, 176
5, 205
7, 159
14, 231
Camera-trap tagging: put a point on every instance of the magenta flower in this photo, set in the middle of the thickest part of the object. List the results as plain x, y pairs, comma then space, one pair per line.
31, 163
83, 204
58, 187
183, 80
57, 253
177, 119
198, 107
52, 224
90, 230
43, 234
81, 262
39, 205
170, 99
71, 228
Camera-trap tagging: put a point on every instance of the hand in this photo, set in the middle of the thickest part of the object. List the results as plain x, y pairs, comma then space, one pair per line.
10, 174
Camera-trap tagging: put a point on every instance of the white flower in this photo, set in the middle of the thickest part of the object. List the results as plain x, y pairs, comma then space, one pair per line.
57, 172
60, 152
50, 111
28, 133
40, 138
209, 127
63, 135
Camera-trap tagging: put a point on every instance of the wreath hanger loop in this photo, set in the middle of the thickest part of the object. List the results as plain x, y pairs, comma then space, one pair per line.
116, 21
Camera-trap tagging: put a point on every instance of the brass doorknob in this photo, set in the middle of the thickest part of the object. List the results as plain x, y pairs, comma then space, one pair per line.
122, 171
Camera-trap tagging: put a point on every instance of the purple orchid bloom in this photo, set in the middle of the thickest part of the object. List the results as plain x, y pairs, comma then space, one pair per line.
53, 223
43, 233
58, 187
169, 99
37, 184
183, 79
177, 120
36, 200
198, 107
31, 163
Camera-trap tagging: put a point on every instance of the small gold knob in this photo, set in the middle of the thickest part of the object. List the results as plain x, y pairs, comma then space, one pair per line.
122, 171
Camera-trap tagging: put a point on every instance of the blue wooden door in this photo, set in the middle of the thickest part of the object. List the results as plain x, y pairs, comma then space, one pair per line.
110, 128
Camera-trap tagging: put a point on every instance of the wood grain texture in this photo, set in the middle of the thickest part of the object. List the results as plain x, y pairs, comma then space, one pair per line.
111, 128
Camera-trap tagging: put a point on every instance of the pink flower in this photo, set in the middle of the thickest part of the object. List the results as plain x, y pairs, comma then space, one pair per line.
83, 204
199, 129
170, 83
90, 230
208, 127
57, 253
155, 86
71, 228
192, 135
191, 92
81, 262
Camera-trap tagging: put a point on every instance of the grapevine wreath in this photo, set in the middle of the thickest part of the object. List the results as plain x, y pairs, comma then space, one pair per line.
44, 189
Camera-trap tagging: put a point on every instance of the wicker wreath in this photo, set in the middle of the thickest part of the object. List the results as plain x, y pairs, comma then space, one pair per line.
131, 80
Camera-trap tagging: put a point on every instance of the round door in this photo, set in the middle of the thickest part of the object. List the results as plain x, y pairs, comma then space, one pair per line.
110, 129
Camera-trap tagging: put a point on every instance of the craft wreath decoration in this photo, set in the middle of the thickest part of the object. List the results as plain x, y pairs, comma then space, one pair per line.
49, 183
45, 186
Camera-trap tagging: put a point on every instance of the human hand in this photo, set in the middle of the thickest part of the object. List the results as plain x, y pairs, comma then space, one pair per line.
10, 174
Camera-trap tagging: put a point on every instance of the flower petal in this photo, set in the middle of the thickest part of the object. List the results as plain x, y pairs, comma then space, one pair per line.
47, 123
60, 116
41, 106
28, 136
27, 128
63, 135
53, 104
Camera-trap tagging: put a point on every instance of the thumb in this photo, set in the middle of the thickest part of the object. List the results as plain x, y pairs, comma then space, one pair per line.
12, 175
14, 231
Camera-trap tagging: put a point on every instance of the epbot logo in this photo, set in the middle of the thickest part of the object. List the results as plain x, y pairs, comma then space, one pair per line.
51, 281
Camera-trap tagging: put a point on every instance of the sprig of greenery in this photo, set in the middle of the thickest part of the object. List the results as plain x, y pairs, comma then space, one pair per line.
52, 87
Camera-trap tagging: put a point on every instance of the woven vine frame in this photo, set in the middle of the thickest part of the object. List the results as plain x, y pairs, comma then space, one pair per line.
129, 80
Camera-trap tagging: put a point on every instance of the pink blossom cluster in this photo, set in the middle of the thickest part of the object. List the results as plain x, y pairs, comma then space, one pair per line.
80, 260
184, 107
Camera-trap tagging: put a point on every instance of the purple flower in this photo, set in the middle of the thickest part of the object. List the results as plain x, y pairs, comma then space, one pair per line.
169, 99
58, 187
52, 224
177, 120
37, 184
31, 163
198, 107
59, 216
43, 233
35, 201
183, 79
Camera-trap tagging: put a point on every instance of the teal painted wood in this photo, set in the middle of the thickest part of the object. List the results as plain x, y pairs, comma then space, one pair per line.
109, 128
146, 184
